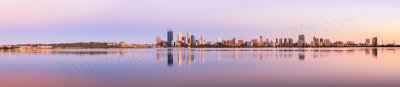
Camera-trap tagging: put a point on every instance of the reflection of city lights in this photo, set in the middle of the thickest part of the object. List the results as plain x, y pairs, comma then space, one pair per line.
180, 57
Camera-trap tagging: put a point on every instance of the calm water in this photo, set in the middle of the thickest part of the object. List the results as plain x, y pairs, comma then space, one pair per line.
227, 67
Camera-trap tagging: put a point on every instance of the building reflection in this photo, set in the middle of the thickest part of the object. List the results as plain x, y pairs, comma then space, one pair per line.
170, 58
202, 56
190, 55
302, 56
180, 57
372, 51
158, 55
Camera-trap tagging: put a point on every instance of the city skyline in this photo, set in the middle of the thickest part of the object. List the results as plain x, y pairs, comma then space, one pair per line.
58, 21
263, 42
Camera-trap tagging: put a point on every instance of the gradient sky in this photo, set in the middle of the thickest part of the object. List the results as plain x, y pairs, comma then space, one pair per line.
140, 21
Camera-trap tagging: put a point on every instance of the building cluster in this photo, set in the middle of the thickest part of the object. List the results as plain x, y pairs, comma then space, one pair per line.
183, 41
191, 41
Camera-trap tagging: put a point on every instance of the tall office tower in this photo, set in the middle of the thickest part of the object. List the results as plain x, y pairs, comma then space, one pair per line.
170, 37
202, 39
261, 40
234, 41
290, 42
266, 42
193, 42
280, 42
374, 41
316, 41
285, 42
188, 37
367, 42
321, 42
179, 35
302, 38
301, 41
219, 40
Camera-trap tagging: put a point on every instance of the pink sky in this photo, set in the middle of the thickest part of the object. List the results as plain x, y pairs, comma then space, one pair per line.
138, 21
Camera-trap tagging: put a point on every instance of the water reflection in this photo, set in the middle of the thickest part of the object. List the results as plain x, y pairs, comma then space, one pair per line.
373, 51
302, 56
258, 66
170, 58
190, 55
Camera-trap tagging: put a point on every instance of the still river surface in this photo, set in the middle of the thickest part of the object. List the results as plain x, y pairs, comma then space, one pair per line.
201, 67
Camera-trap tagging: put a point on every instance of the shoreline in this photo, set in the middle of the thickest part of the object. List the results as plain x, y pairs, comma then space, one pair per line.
204, 47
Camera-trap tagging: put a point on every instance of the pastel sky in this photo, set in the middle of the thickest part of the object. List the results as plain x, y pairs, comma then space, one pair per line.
140, 21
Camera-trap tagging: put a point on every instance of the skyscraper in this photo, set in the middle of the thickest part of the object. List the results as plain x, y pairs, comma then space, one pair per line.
193, 40
280, 42
316, 41
233, 41
179, 35
367, 42
327, 42
290, 42
302, 38
374, 41
188, 37
202, 39
285, 43
170, 37
261, 40
301, 41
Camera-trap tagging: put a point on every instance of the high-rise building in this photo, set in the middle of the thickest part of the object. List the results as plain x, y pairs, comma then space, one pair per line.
193, 42
302, 38
302, 41
202, 39
188, 37
170, 37
374, 41
266, 42
233, 41
280, 42
290, 42
285, 42
367, 42
219, 40
316, 41
179, 35
261, 40
327, 42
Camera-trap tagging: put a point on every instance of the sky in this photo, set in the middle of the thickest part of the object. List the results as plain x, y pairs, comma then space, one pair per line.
140, 21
